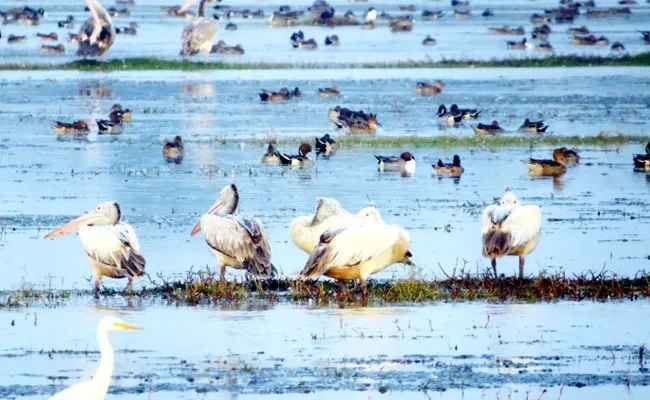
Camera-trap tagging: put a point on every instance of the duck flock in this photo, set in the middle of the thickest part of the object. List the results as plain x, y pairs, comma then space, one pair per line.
98, 33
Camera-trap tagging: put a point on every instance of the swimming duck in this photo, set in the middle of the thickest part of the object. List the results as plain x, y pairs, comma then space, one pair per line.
643, 160
26, 15
282, 95
540, 19
118, 112
408, 8
405, 163
402, 24
119, 12
221, 48
329, 91
459, 3
541, 32
429, 41
331, 40
533, 126
67, 127
299, 160
427, 89
58, 49
646, 36
231, 27
272, 155
618, 47
566, 156
431, 15
108, 126
483, 129
453, 169
448, 118
132, 29
544, 47
371, 15
602, 41
325, 144
73, 38
13, 39
353, 121
47, 36
518, 45
583, 30
506, 30
67, 23
554, 167
462, 14
466, 113
174, 151
588, 40
488, 13
298, 41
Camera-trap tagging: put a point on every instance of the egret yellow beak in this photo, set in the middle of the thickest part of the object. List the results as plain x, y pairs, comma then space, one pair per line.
124, 325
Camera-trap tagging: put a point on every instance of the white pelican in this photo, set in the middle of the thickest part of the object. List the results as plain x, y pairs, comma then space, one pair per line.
96, 388
356, 252
198, 34
305, 231
111, 246
235, 241
510, 229
97, 34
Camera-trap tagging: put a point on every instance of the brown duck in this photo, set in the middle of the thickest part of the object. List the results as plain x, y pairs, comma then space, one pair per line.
67, 127
453, 169
555, 167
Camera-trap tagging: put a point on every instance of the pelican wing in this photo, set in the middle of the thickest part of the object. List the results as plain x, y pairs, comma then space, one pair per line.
524, 224
494, 215
349, 246
95, 38
198, 34
114, 245
239, 238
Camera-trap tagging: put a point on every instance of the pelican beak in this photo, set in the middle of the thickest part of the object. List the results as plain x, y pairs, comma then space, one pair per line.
215, 209
86, 219
124, 325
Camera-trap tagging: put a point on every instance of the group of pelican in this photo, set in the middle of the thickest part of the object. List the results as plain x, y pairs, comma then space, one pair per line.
341, 245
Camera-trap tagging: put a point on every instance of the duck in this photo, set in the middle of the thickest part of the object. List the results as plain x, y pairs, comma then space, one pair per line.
583, 30
618, 47
408, 8
645, 35
506, 30
368, 26
52, 36
13, 39
566, 156
357, 251
510, 229
540, 19
405, 163
555, 167
325, 144
402, 24
353, 121
299, 160
487, 13
73, 38
117, 111
544, 47
448, 118
272, 155
70, 127
282, 95
119, 12
298, 41
26, 15
58, 49
332, 91
371, 15
221, 48
541, 32
453, 169
231, 27
466, 113
332, 40
174, 151
132, 29
431, 15
642, 161
427, 89
306, 230
459, 3
462, 14
533, 126
491, 129
429, 41
67, 23
111, 125
588, 40
177, 11
518, 45
602, 41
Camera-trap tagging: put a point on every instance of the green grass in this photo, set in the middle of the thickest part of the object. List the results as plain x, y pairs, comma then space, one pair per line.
152, 63
602, 139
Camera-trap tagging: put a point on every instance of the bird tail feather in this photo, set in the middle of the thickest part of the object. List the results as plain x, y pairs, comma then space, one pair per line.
496, 243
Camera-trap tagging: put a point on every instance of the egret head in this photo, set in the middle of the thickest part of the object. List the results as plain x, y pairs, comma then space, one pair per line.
115, 324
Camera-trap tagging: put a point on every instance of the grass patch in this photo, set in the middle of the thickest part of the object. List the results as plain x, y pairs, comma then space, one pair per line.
152, 63
602, 139
203, 287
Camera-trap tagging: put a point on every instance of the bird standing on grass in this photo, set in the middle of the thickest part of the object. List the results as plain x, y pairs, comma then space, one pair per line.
198, 34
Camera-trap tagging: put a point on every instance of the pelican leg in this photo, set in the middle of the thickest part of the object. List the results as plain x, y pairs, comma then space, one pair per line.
97, 286
522, 260
129, 286
494, 267
222, 277
364, 293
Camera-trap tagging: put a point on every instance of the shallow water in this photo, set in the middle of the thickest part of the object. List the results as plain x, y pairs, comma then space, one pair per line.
594, 217
159, 36
476, 349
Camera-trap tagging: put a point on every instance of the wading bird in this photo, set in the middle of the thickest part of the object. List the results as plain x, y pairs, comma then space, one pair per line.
111, 246
356, 252
97, 34
235, 241
199, 34
97, 387
305, 231
510, 229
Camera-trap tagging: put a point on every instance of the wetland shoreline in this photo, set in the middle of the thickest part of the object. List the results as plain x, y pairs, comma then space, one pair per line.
152, 63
